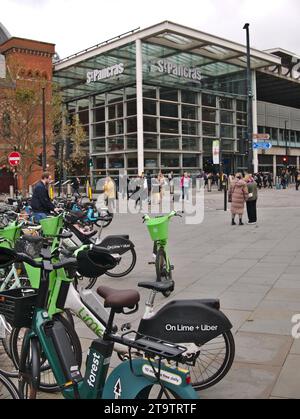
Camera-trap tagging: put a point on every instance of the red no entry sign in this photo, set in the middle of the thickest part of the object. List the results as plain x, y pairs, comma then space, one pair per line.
14, 159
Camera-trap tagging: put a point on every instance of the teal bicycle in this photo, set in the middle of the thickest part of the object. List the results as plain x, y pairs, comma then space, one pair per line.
159, 231
147, 377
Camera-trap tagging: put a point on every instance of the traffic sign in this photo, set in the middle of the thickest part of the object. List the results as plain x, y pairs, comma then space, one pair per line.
262, 137
14, 159
262, 146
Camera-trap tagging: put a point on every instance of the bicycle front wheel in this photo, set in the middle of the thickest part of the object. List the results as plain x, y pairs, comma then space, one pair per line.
163, 270
7, 389
30, 369
125, 266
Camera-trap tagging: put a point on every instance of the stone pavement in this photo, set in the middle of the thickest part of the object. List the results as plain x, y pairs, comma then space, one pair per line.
253, 270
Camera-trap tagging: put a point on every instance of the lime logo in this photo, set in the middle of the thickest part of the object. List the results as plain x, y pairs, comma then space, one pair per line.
166, 376
91, 324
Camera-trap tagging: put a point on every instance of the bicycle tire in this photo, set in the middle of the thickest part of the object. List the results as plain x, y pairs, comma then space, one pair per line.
88, 283
104, 224
7, 388
130, 269
45, 369
30, 369
202, 380
161, 269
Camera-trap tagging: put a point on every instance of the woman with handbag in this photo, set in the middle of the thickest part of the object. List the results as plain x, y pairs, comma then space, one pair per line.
252, 199
238, 195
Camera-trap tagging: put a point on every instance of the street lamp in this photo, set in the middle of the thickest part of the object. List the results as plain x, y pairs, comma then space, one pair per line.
250, 98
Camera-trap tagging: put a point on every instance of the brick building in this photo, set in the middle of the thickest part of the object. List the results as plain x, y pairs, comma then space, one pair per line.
24, 64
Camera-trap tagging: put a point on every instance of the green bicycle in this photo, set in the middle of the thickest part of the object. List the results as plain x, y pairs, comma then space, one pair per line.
159, 231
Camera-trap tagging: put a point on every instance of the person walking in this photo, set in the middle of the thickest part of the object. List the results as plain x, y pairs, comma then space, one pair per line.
238, 195
41, 203
109, 192
252, 199
185, 184
297, 180
270, 180
76, 186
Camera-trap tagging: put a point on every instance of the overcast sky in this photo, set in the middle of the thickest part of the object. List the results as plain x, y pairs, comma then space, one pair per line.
74, 25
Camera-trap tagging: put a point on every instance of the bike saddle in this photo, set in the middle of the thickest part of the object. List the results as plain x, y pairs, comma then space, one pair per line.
118, 300
158, 286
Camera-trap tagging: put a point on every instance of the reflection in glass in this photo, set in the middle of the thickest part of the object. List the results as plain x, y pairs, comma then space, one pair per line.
190, 144
150, 142
169, 126
169, 143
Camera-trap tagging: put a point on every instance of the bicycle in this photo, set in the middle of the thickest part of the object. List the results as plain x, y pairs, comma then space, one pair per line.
7, 388
158, 229
133, 379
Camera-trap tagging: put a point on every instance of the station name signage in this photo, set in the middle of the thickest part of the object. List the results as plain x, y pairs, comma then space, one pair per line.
105, 73
165, 66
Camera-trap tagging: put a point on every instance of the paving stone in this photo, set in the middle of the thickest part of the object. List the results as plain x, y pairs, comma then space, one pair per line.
289, 379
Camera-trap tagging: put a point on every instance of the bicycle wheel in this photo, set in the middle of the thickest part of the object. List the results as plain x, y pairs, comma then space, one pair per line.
30, 368
162, 272
105, 220
47, 382
125, 266
212, 362
7, 388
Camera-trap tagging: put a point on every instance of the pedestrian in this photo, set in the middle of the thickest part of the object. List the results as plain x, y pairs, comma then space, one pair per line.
238, 195
252, 199
171, 182
297, 175
185, 184
109, 192
270, 181
41, 203
76, 186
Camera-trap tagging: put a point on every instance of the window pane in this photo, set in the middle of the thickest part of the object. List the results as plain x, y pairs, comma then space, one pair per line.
168, 109
149, 107
209, 115
116, 144
190, 144
99, 130
226, 103
169, 126
150, 92
132, 161
131, 125
131, 143
209, 129
116, 96
131, 108
119, 110
190, 160
99, 115
241, 118
209, 100
169, 143
99, 100
116, 127
112, 112
169, 94
150, 124
241, 106
188, 97
208, 145
226, 117
228, 145
83, 117
116, 162
189, 112
112, 128
151, 160
242, 133
150, 142
227, 131
100, 163
170, 160
99, 145
131, 93
190, 128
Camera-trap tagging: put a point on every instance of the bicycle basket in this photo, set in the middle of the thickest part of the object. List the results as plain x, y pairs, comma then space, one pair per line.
12, 232
51, 226
158, 228
17, 306
31, 249
94, 263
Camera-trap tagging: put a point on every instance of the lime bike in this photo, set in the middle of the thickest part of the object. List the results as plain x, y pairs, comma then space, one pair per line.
148, 377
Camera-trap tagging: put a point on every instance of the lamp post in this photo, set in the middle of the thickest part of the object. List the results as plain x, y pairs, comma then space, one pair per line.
44, 132
250, 99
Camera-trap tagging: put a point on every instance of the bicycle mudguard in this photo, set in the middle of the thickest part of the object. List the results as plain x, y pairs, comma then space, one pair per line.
187, 321
125, 384
117, 244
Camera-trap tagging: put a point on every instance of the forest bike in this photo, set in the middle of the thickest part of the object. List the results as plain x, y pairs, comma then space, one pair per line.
159, 231
7, 388
134, 379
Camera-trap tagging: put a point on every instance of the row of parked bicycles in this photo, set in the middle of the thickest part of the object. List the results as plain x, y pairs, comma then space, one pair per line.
48, 276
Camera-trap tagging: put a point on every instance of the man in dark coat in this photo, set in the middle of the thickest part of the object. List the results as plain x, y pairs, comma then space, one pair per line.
41, 203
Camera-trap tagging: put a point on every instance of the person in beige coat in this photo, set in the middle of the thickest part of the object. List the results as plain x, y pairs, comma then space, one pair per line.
238, 196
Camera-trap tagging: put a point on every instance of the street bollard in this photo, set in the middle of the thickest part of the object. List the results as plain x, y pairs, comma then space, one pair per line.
225, 196
11, 192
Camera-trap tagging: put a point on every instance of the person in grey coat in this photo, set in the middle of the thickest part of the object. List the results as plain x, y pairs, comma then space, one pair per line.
252, 200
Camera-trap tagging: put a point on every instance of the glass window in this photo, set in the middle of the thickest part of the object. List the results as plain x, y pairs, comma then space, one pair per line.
209, 100
209, 129
132, 143
149, 107
227, 131
99, 145
99, 100
151, 160
208, 145
99, 130
112, 128
190, 128
150, 124
190, 144
170, 160
116, 127
188, 97
169, 126
132, 161
189, 112
112, 112
298, 136
190, 160
100, 163
116, 144
168, 94
119, 110
241, 106
241, 118
132, 124
116, 96
116, 162
86, 129
83, 105
150, 142
226, 103
228, 145
131, 108
99, 114
168, 109
84, 117
150, 92
226, 117
131, 93
209, 115
169, 143
242, 133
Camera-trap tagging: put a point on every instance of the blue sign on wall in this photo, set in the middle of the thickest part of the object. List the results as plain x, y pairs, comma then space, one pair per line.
262, 146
